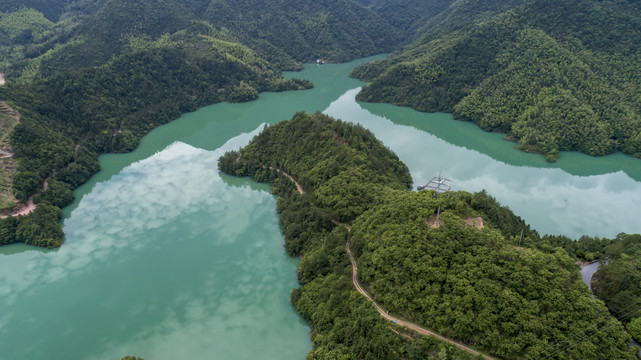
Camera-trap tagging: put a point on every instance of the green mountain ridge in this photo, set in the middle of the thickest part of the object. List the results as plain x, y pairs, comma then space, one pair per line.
552, 75
407, 15
334, 30
284, 32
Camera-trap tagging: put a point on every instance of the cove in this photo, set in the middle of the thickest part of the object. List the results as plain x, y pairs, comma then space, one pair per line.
164, 257
167, 259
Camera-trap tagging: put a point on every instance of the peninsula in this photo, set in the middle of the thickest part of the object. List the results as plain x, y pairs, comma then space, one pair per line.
473, 286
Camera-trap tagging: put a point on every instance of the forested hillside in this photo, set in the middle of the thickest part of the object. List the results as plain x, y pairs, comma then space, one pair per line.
31, 31
9, 118
553, 76
618, 282
50, 9
431, 18
477, 287
285, 32
90, 77
407, 15
70, 118
469, 283
335, 30
87, 77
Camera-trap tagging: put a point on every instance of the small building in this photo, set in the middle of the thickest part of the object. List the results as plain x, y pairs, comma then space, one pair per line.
1, 78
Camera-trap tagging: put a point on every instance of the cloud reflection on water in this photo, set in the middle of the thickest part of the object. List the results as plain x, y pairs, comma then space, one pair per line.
164, 260
173, 183
550, 199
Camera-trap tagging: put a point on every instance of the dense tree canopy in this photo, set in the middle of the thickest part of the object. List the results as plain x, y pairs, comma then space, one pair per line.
45, 38
474, 285
336, 30
618, 282
70, 118
635, 328
91, 77
554, 76
52, 9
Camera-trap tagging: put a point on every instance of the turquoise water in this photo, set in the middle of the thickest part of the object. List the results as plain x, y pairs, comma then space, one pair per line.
578, 195
167, 259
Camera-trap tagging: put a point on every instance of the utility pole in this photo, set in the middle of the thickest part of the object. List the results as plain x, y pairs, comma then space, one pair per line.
521, 237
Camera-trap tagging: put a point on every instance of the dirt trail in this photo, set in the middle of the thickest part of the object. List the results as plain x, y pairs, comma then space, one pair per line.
29, 207
298, 187
6, 152
22, 209
398, 321
380, 310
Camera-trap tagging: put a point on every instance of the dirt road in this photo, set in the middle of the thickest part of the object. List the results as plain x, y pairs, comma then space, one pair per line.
380, 310
398, 321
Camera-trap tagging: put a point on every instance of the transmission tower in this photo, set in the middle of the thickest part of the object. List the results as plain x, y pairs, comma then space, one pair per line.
438, 183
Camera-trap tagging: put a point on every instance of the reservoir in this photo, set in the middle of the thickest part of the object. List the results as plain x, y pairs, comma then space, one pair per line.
165, 258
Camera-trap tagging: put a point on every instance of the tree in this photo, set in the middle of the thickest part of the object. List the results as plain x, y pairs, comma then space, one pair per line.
634, 327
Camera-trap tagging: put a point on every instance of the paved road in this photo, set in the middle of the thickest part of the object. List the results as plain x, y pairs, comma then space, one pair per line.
587, 271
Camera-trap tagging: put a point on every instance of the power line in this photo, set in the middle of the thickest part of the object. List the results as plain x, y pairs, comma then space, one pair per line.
604, 312
599, 328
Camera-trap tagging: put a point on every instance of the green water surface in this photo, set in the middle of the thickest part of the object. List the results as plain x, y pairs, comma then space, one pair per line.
165, 258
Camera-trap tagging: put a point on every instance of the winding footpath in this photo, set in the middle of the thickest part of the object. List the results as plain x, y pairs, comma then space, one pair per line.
589, 269
28, 207
398, 321
380, 310
298, 187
